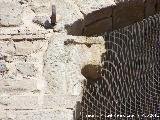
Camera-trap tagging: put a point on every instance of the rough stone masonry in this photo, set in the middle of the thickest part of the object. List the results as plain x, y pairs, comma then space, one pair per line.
42, 66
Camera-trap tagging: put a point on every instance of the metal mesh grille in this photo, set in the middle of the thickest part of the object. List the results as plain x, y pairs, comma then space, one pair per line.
130, 83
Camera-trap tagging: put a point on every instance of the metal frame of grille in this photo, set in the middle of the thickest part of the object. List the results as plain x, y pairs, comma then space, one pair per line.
130, 83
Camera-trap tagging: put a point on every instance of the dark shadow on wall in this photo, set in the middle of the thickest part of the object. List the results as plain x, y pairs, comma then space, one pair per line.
96, 29
123, 14
76, 28
90, 106
129, 80
86, 108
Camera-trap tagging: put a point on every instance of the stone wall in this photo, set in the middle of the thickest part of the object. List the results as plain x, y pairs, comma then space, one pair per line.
103, 15
43, 67
89, 17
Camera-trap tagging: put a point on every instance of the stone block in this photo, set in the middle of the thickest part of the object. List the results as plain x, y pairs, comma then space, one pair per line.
95, 10
21, 31
54, 102
43, 21
150, 7
26, 47
98, 27
16, 102
127, 13
7, 48
41, 6
59, 114
3, 67
3, 115
64, 60
10, 14
41, 9
26, 69
37, 101
21, 58
17, 86
95, 16
69, 19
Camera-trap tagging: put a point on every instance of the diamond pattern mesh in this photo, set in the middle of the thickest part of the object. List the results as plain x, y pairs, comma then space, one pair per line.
130, 84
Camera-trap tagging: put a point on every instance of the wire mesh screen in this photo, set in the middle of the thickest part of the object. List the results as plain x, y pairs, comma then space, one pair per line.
129, 87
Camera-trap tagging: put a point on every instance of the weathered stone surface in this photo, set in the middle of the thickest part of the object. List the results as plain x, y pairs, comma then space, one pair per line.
15, 102
95, 10
127, 13
56, 64
41, 115
150, 7
3, 115
69, 19
67, 61
3, 67
98, 27
26, 69
10, 14
34, 102
17, 85
40, 9
30, 107
27, 47
1, 57
21, 31
66, 102
7, 48
41, 6
7, 51
43, 21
